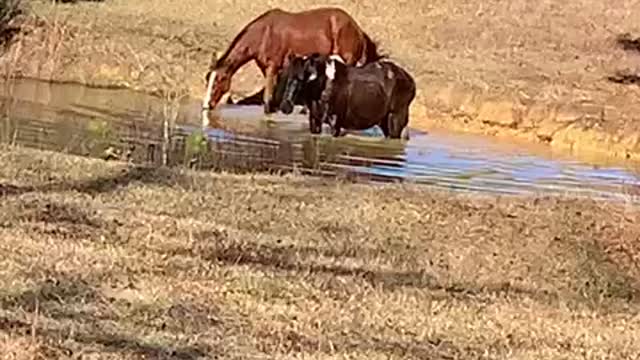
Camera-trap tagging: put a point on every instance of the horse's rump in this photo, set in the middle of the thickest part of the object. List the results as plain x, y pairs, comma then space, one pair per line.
367, 99
405, 85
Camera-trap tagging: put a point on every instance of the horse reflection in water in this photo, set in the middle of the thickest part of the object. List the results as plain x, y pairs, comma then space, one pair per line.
248, 145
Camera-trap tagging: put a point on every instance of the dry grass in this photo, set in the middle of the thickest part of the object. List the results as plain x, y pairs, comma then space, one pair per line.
99, 258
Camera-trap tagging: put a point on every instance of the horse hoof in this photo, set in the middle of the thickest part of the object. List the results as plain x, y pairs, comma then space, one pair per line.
404, 134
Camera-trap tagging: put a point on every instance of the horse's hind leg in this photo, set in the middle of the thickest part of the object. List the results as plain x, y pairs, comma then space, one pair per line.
336, 127
397, 121
384, 125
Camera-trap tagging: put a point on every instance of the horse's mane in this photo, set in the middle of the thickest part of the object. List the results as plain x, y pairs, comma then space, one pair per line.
372, 52
240, 35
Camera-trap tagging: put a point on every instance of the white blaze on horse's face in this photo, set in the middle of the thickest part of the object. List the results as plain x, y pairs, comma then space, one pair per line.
207, 97
330, 69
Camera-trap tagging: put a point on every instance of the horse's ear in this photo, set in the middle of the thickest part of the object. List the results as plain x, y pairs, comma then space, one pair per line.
215, 56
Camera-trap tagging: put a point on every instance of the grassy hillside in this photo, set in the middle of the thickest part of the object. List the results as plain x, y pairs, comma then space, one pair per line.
99, 258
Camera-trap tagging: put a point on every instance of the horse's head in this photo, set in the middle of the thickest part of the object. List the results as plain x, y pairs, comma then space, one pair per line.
218, 81
294, 77
307, 76
320, 69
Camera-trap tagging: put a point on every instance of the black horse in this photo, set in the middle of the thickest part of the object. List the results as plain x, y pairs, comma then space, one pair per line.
276, 99
378, 93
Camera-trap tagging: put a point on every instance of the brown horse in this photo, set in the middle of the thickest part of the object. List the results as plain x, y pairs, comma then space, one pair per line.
272, 36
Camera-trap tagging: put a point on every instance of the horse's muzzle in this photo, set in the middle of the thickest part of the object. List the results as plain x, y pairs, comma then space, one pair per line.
315, 126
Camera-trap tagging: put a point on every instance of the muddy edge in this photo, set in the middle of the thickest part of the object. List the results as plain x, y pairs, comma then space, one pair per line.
594, 117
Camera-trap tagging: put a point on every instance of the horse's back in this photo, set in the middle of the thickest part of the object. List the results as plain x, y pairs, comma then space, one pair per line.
370, 72
363, 94
313, 17
274, 12
325, 12
400, 70
395, 80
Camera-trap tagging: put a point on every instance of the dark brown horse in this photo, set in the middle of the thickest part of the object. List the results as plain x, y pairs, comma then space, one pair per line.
378, 93
272, 36
276, 97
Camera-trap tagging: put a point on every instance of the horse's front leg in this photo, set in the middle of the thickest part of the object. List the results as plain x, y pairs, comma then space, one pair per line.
268, 88
315, 117
336, 126
336, 131
331, 120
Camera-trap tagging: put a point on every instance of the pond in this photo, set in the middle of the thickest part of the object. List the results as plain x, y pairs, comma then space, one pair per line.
121, 123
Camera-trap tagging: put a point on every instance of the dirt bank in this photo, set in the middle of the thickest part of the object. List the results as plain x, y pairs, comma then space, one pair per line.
534, 70
104, 259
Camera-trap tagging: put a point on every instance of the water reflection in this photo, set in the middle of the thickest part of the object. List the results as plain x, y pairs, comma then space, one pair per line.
85, 121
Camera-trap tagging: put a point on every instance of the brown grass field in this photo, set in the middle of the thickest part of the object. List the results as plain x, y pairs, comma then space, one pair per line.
102, 260
535, 70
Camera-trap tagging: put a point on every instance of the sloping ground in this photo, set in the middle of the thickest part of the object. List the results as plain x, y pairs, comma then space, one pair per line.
116, 262
538, 70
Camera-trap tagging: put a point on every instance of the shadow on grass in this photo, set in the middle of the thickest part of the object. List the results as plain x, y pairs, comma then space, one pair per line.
435, 348
66, 302
627, 42
75, 1
630, 44
10, 13
110, 342
595, 281
63, 221
99, 185
299, 260
625, 78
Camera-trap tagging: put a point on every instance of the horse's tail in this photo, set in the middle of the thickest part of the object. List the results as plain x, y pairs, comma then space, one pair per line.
371, 50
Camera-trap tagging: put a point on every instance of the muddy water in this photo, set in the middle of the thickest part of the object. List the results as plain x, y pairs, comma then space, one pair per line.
112, 123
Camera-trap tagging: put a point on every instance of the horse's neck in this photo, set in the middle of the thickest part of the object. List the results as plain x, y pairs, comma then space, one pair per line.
243, 50
234, 62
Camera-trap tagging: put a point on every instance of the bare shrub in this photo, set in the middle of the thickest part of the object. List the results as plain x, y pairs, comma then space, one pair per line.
10, 10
